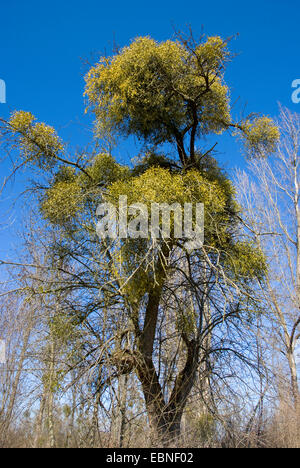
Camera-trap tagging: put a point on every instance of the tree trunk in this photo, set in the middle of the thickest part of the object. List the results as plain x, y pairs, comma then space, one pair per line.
294, 377
165, 418
39, 422
51, 439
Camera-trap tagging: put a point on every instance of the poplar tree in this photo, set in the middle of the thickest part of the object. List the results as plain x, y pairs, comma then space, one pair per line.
169, 95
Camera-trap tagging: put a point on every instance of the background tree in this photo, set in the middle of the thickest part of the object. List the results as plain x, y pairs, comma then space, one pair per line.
270, 194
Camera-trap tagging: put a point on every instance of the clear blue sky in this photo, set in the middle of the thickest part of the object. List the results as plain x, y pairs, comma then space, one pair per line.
43, 46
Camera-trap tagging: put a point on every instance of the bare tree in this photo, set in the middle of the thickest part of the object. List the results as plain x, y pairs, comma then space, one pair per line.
270, 193
17, 320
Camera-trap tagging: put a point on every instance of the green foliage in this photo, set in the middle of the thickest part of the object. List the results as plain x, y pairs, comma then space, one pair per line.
246, 261
260, 136
104, 170
62, 201
213, 54
160, 91
152, 159
65, 200
242, 261
161, 186
70, 190
39, 143
65, 174
147, 89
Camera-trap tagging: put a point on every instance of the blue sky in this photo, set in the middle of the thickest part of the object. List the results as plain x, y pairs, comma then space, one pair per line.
44, 47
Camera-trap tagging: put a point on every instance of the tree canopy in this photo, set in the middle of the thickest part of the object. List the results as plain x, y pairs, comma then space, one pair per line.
169, 92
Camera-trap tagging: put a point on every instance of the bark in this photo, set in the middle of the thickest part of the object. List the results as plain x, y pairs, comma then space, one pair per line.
146, 372
164, 418
294, 378
123, 399
51, 439
95, 425
182, 388
39, 422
